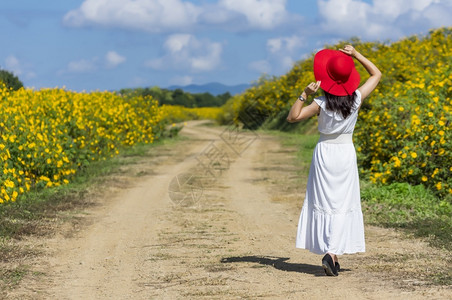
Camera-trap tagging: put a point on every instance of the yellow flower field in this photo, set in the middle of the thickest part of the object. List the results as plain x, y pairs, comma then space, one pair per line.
177, 113
46, 136
403, 134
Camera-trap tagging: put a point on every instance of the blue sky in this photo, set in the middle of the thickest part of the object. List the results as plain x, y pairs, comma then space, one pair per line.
112, 44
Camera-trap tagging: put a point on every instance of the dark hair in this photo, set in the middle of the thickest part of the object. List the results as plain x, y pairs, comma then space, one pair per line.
342, 104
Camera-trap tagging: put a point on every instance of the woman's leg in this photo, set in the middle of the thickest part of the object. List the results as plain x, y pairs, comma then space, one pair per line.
333, 256
329, 264
335, 261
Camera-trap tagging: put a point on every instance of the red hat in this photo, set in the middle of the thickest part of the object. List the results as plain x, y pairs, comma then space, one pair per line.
336, 71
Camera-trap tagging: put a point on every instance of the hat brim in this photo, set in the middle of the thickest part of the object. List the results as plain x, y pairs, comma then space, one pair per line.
326, 82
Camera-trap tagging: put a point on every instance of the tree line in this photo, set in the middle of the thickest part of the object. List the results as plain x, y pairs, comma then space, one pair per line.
163, 96
178, 97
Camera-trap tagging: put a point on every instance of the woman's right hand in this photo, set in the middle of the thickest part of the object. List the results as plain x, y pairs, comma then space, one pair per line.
349, 50
312, 88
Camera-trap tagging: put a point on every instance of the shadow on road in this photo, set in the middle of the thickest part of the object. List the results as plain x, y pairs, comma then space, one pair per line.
279, 263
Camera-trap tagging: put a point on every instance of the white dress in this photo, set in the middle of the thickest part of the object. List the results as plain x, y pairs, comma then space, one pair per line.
331, 219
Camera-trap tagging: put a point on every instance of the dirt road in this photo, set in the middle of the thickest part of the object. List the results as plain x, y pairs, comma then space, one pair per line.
215, 217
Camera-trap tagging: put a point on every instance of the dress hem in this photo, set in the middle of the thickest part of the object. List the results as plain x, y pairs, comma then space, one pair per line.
342, 253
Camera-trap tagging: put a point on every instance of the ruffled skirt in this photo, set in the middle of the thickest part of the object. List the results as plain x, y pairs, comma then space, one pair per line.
331, 219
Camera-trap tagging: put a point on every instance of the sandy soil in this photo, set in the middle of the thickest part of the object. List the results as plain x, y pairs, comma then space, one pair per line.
175, 226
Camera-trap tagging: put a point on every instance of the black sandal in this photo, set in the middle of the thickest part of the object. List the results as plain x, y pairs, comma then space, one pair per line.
329, 266
338, 266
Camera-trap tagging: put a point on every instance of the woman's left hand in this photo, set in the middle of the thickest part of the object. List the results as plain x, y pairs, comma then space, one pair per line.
312, 88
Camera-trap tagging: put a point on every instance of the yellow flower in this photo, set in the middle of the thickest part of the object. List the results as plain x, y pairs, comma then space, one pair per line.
424, 178
435, 172
438, 186
397, 162
441, 132
441, 123
9, 183
401, 108
413, 154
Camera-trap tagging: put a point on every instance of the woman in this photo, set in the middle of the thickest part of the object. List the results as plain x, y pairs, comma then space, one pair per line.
331, 220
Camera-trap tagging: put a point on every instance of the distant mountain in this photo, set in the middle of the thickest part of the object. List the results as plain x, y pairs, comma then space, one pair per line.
214, 88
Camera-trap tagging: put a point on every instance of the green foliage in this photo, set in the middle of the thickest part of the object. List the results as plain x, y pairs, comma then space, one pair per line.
414, 208
178, 97
10, 80
279, 122
403, 133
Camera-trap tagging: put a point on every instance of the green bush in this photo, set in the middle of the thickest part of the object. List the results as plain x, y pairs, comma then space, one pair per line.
10, 80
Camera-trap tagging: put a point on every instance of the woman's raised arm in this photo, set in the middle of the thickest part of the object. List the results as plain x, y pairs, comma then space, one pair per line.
297, 111
375, 74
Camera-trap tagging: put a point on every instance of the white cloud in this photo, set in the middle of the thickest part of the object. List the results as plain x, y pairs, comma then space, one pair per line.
281, 55
177, 42
110, 60
186, 52
178, 15
438, 14
138, 81
287, 63
113, 59
262, 66
383, 18
263, 14
82, 66
147, 15
285, 44
12, 64
18, 68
